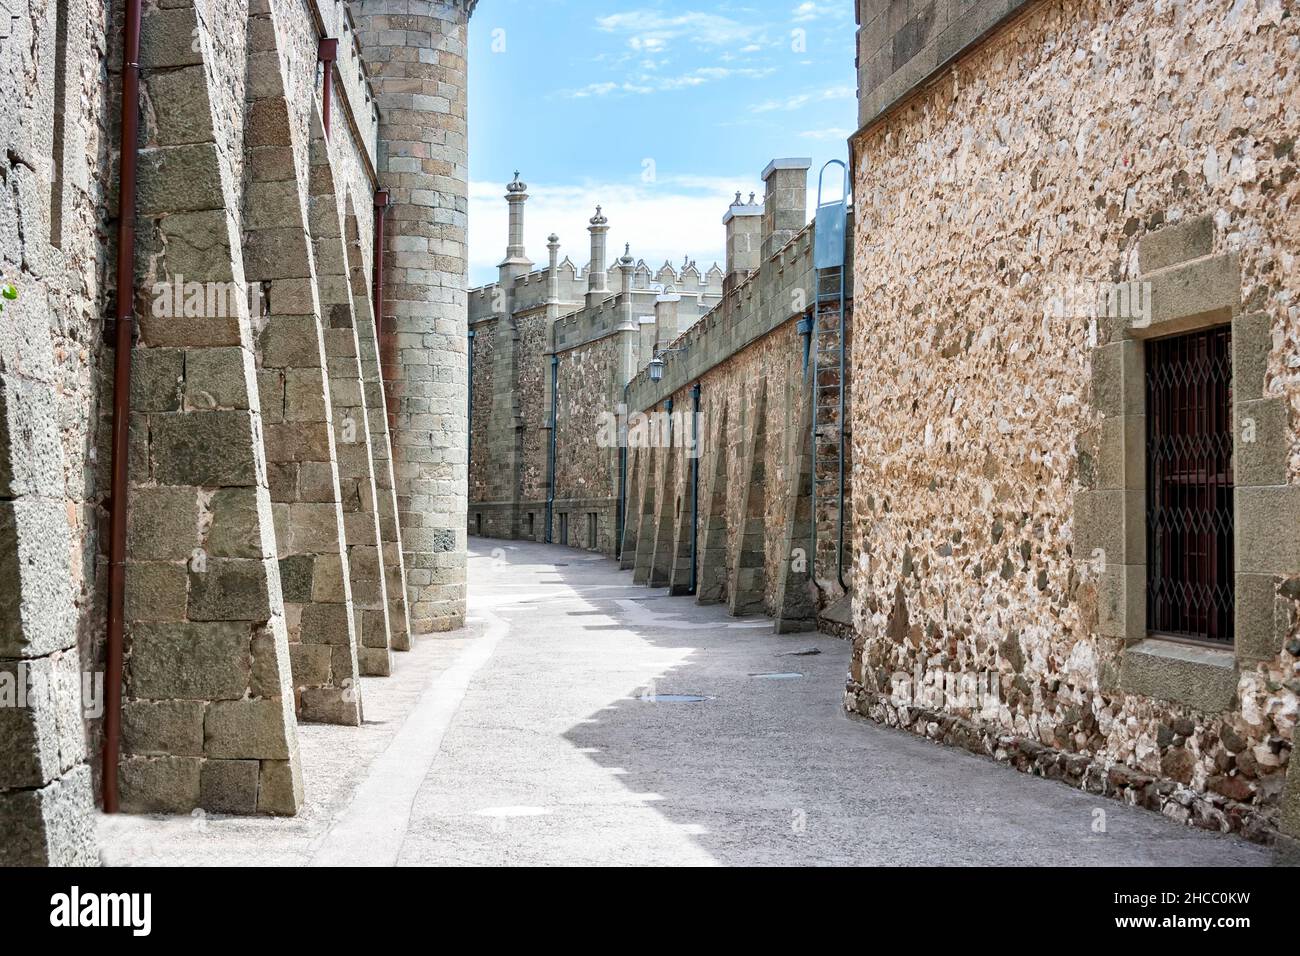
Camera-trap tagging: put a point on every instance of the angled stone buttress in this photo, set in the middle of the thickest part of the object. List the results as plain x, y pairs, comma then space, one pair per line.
352, 418
208, 716
748, 567
712, 574
679, 575
372, 383
796, 600
294, 390
669, 500
645, 535
631, 509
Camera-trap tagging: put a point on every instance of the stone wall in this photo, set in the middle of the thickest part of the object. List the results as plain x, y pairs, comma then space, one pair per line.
264, 561
54, 131
1083, 143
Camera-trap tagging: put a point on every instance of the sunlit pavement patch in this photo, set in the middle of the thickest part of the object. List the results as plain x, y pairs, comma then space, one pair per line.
675, 698
787, 675
512, 812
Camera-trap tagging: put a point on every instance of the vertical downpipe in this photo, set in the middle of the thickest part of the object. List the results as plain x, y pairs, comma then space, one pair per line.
381, 214
124, 333
550, 484
695, 477
327, 51
620, 516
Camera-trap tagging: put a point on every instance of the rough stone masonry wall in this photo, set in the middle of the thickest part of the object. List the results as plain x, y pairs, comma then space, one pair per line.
480, 449
586, 474
774, 364
1045, 157
533, 376
51, 190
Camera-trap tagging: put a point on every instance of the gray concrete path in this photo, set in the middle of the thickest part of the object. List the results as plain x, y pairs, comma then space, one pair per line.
531, 738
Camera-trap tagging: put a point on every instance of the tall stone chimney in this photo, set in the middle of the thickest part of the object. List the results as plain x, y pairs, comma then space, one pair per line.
553, 277
744, 224
785, 202
626, 270
597, 285
423, 161
667, 318
516, 259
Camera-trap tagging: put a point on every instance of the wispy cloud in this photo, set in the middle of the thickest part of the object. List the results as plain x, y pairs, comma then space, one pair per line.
651, 31
801, 100
808, 10
644, 82
831, 132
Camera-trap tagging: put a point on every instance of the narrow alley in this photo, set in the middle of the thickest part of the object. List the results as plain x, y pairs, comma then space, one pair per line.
561, 727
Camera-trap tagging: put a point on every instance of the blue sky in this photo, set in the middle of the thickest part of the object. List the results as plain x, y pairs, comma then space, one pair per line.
658, 110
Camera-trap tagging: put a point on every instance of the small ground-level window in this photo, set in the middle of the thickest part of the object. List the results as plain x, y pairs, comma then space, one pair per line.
478, 523
1189, 486
529, 526
591, 529
564, 528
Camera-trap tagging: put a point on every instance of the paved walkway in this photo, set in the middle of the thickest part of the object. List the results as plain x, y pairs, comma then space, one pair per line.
531, 738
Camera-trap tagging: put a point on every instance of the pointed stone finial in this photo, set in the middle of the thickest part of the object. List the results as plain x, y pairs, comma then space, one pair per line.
516, 186
736, 201
598, 219
552, 240
751, 198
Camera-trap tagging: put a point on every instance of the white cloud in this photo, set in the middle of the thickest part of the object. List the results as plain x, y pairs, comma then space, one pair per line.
675, 217
801, 100
646, 82
832, 132
808, 10
652, 30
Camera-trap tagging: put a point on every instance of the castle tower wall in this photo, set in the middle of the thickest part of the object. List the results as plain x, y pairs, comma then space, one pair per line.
416, 54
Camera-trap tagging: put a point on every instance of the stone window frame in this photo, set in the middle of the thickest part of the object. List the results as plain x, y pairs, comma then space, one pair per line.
1191, 289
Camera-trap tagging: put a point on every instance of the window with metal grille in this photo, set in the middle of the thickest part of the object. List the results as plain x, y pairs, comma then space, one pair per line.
1189, 486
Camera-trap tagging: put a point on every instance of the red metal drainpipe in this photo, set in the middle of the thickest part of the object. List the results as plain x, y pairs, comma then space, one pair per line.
381, 210
124, 330
327, 52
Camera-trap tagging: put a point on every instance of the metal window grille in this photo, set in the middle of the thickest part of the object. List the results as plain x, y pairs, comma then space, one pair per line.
1189, 486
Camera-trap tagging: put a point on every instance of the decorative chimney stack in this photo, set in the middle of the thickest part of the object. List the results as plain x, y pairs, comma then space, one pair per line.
667, 318
785, 204
553, 275
516, 196
626, 270
744, 224
597, 287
